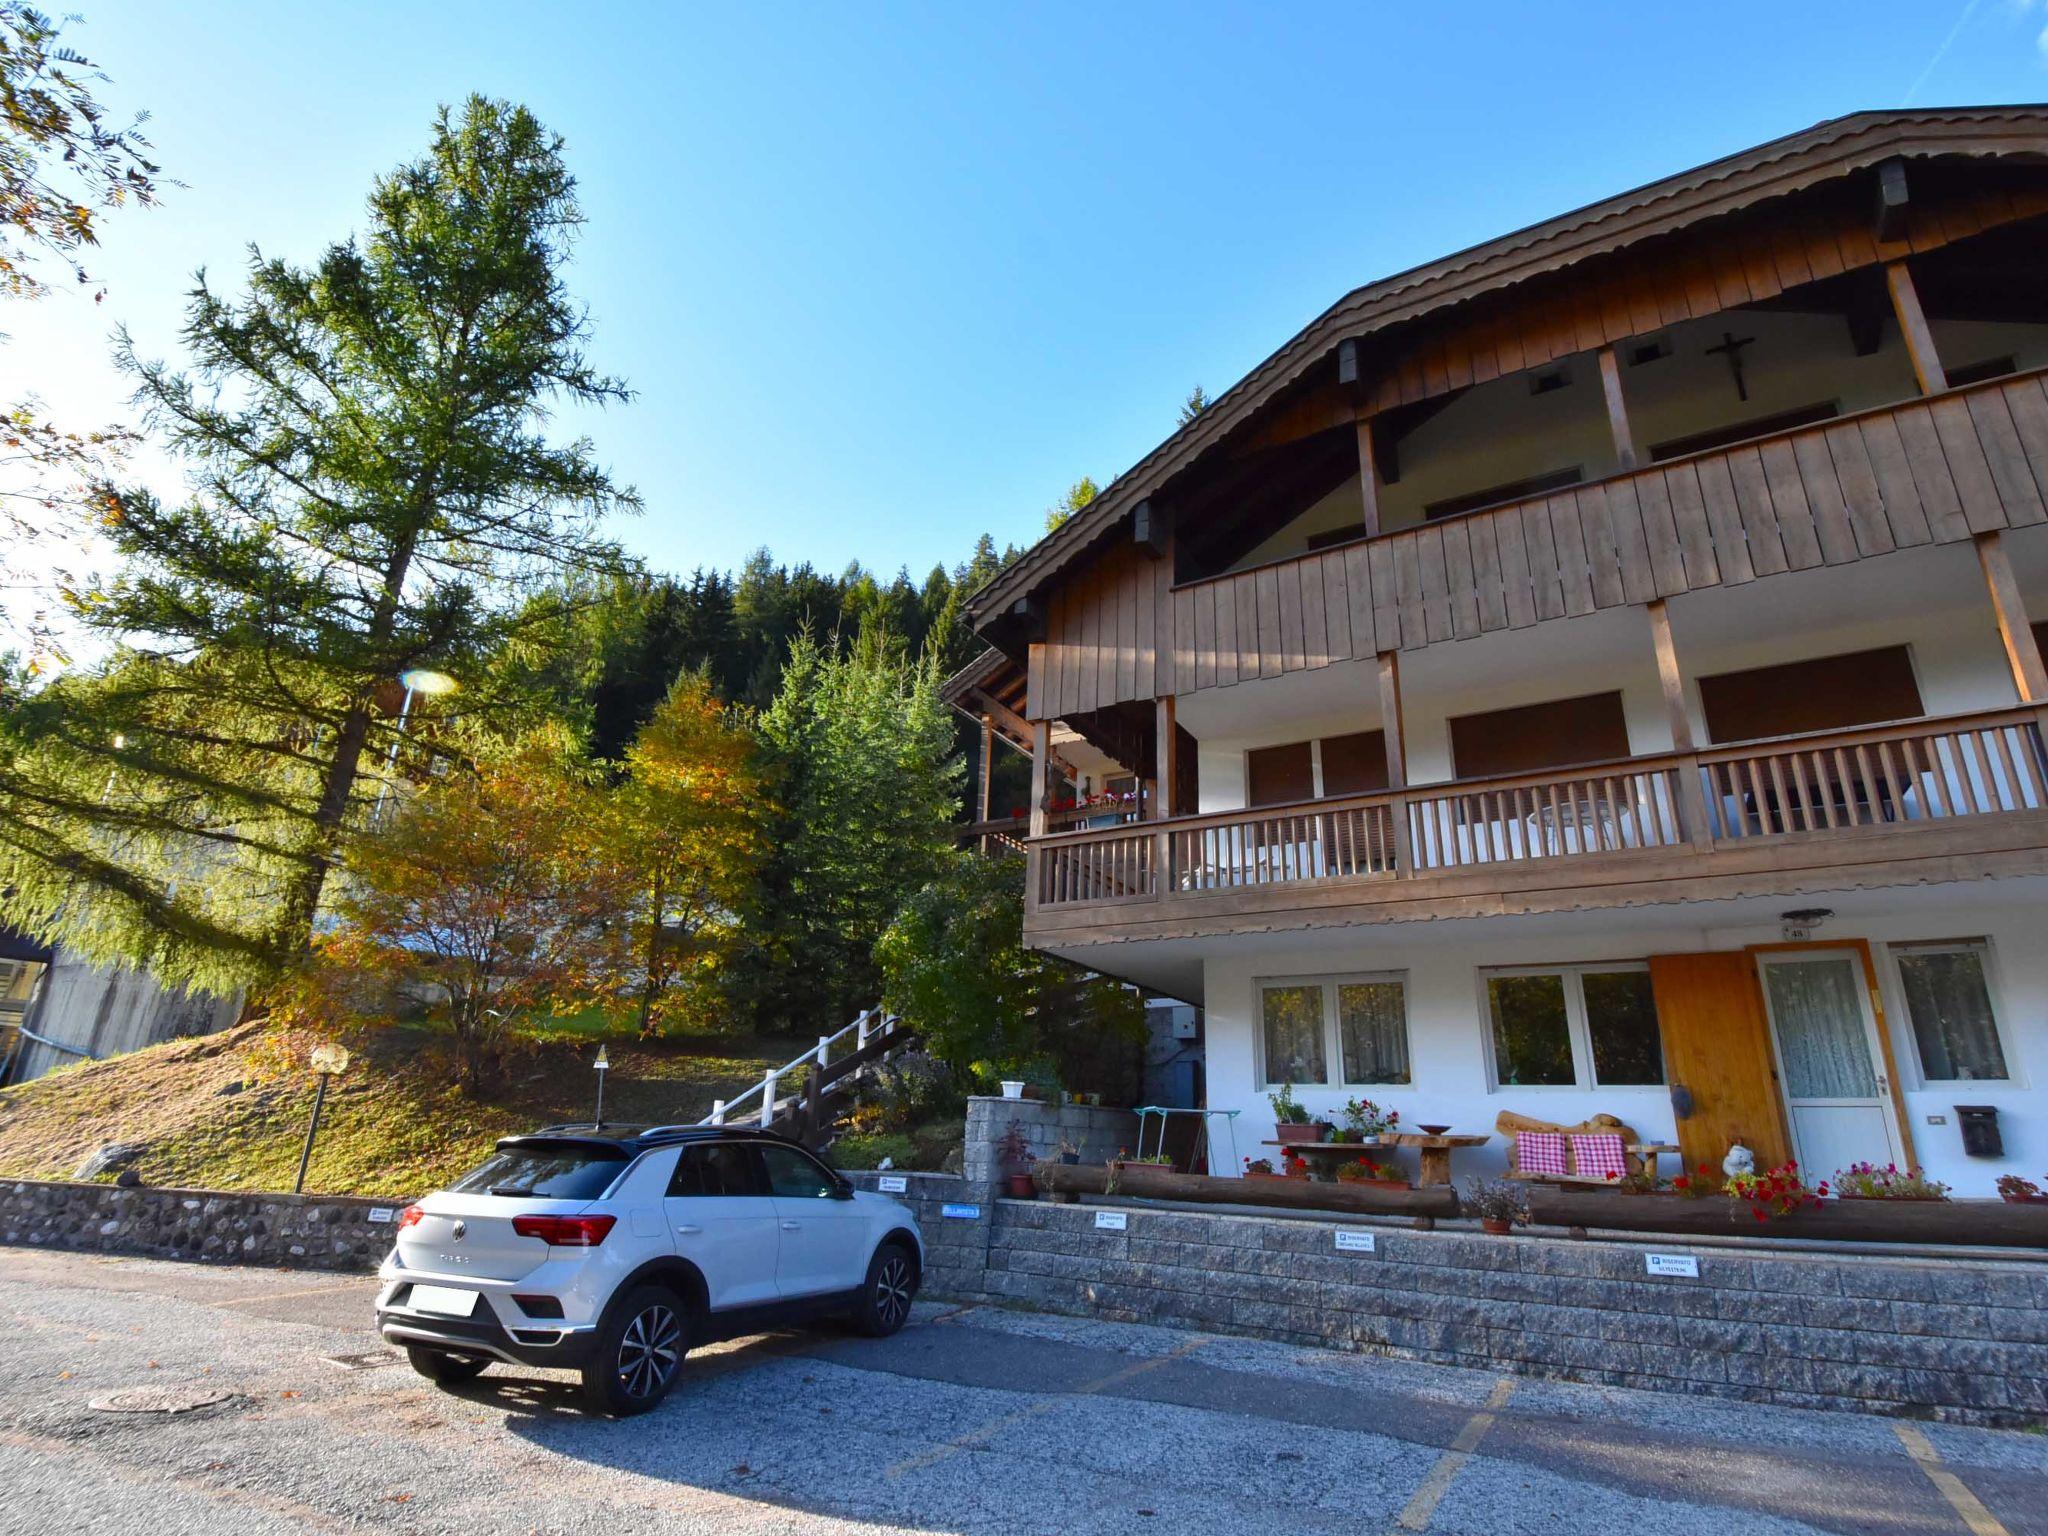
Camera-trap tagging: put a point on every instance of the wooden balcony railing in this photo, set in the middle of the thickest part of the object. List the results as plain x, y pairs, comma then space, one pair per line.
1677, 804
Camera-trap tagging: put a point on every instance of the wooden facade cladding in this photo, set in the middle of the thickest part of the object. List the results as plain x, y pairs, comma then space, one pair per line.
1932, 471
1757, 257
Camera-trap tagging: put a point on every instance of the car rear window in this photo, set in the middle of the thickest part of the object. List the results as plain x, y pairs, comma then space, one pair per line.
553, 1173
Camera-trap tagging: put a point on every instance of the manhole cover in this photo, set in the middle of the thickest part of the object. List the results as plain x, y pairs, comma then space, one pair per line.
161, 1400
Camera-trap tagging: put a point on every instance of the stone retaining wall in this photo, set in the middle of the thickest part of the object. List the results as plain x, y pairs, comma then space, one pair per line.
1097, 1134
1956, 1338
289, 1231
1953, 1338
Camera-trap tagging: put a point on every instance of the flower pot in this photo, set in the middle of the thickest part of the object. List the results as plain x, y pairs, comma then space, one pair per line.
1496, 1226
1374, 1183
1022, 1187
1287, 1135
1070, 1158
1012, 1090
1323, 1129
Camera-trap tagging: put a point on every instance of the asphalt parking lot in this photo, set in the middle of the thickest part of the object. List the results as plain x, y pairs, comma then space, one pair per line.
971, 1420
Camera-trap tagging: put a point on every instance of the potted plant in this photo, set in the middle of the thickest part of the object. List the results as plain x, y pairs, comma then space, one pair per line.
1291, 1121
1776, 1192
1366, 1121
1643, 1181
1366, 1171
1498, 1204
1867, 1181
1013, 1156
2014, 1190
1013, 1087
1260, 1168
1066, 1152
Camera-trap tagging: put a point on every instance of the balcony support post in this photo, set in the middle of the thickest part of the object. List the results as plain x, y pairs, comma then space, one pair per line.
1617, 408
1369, 482
1692, 799
1898, 278
1166, 772
2009, 610
988, 754
1041, 763
1397, 759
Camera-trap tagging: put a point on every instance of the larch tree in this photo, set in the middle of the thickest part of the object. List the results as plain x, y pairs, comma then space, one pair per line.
374, 493
686, 829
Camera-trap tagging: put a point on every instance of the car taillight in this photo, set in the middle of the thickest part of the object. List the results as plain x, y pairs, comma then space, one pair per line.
565, 1231
409, 1217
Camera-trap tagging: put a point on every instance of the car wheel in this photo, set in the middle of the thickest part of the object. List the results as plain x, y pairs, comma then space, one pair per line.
437, 1365
639, 1352
888, 1291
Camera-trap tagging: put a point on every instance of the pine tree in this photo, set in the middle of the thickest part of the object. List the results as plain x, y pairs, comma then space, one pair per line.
373, 492
1196, 403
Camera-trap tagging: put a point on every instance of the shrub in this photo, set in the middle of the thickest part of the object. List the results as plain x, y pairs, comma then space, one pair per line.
867, 1151
1867, 1181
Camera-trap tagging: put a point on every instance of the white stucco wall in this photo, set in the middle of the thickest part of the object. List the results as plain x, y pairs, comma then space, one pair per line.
1447, 1029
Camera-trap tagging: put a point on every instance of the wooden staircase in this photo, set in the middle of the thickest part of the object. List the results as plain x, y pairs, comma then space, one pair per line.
832, 1070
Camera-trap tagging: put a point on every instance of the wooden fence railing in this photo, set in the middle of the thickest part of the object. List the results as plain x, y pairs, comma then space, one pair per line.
1684, 803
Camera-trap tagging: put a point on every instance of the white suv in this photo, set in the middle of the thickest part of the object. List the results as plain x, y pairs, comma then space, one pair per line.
612, 1251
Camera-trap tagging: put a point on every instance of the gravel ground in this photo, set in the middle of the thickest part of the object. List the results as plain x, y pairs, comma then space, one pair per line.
971, 1420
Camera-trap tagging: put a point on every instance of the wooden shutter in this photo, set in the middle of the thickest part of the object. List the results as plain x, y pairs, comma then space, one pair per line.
1278, 775
1827, 693
1588, 729
1355, 765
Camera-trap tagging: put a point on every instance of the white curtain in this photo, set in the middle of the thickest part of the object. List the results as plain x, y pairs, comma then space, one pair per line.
1818, 1008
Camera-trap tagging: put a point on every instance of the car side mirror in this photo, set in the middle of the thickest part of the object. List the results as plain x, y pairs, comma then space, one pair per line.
842, 1190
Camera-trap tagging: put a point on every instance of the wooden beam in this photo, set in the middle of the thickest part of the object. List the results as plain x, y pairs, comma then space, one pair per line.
2029, 677
1617, 408
1369, 482
1165, 757
1390, 719
1041, 752
988, 755
1669, 676
1148, 528
1892, 198
1913, 325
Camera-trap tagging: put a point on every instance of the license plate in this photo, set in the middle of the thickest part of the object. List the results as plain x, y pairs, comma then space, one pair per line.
442, 1299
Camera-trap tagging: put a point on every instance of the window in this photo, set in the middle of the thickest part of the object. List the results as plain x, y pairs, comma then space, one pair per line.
1353, 765
1588, 729
1742, 431
1948, 999
725, 1168
1507, 490
558, 1171
795, 1176
1360, 1023
1590, 1026
1826, 693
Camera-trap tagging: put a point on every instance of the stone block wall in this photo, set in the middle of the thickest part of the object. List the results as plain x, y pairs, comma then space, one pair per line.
1097, 1134
1961, 1339
290, 1231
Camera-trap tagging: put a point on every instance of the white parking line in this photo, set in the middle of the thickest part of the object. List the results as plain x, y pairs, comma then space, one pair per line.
1968, 1507
1422, 1503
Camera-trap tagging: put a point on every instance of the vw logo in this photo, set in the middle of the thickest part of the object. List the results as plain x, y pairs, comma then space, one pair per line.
459, 1231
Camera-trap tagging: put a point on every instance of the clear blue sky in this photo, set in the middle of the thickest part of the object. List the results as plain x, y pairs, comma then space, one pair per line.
885, 276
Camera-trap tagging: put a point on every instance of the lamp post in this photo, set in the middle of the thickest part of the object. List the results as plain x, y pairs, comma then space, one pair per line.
416, 680
327, 1059
600, 1066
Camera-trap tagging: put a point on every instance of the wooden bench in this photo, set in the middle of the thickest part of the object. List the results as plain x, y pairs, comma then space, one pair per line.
1637, 1155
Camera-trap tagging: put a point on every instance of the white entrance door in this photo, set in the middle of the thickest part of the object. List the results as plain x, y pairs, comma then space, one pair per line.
1836, 1095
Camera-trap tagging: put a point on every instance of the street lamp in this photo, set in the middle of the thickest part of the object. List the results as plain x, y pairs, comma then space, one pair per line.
327, 1059
600, 1066
416, 680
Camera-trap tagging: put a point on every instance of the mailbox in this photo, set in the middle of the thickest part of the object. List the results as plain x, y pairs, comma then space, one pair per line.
1980, 1130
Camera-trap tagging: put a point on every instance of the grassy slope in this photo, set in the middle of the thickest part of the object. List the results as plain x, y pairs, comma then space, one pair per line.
394, 1124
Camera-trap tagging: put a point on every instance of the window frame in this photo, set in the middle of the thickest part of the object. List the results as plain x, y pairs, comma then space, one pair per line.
1333, 1033
754, 1164
1901, 1004
1578, 1027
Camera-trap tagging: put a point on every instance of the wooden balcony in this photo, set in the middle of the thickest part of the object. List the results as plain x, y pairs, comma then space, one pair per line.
1962, 797
1922, 472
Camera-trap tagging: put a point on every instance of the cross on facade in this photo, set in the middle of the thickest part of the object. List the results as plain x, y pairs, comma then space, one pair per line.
1732, 345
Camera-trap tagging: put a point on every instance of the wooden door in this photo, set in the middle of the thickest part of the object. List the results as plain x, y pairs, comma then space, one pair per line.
1717, 1046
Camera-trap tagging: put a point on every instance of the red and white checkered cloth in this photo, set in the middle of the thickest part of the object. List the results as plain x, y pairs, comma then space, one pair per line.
1599, 1156
1540, 1152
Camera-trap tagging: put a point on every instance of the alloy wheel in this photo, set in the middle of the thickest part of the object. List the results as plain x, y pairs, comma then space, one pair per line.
649, 1352
892, 1290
